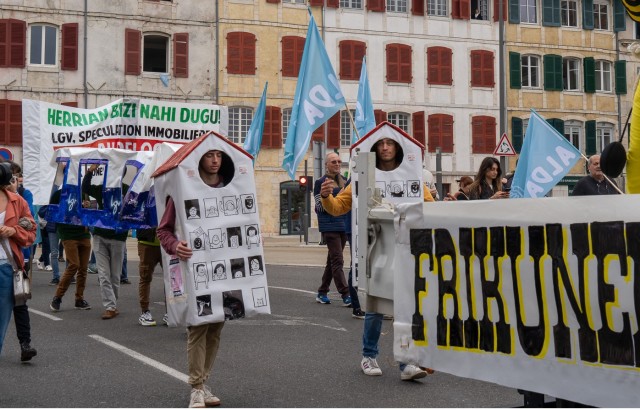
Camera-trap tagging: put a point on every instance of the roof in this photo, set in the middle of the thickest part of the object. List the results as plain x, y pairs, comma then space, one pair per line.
387, 124
186, 150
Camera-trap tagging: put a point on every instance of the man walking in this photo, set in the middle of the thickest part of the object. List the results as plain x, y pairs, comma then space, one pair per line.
333, 230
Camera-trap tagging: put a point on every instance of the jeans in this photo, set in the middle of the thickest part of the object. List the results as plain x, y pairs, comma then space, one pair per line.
44, 258
371, 336
6, 298
353, 292
53, 246
109, 254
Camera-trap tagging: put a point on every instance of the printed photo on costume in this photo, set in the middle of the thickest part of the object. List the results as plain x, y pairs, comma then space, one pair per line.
200, 275
251, 235
216, 240
230, 205
414, 189
203, 303
175, 273
233, 304
248, 203
210, 207
219, 270
192, 208
238, 268
397, 189
259, 297
255, 266
198, 239
234, 237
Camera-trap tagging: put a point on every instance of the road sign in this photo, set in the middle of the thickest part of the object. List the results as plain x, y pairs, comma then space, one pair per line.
504, 148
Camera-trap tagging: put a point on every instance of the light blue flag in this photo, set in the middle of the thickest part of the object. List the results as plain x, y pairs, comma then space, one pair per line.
318, 97
365, 118
253, 140
545, 158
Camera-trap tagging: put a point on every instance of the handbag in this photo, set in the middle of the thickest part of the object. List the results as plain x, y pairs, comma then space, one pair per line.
21, 280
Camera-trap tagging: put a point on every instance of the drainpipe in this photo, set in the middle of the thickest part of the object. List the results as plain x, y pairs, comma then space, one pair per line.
620, 125
217, 63
84, 64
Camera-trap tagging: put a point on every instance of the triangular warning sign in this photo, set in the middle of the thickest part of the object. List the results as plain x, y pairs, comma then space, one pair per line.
504, 148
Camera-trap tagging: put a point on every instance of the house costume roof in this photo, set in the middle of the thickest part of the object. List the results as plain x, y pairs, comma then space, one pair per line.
386, 124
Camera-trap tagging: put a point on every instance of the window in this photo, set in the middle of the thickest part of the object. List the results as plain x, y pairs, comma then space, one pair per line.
154, 55
399, 63
346, 130
528, 13
437, 8
604, 135
44, 43
480, 10
573, 133
286, 117
398, 6
440, 132
400, 120
439, 70
10, 122
239, 123
571, 74
530, 71
600, 16
603, 76
241, 53
13, 35
569, 13
482, 68
351, 4
351, 54
483, 134
292, 48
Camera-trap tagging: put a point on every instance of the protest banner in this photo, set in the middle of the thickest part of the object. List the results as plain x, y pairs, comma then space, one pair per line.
542, 296
129, 123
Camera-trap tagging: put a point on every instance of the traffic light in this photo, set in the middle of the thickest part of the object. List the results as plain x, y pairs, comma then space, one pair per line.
305, 183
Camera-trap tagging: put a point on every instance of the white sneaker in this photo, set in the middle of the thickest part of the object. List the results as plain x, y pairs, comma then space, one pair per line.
209, 399
40, 265
370, 367
412, 372
165, 319
48, 267
146, 319
197, 399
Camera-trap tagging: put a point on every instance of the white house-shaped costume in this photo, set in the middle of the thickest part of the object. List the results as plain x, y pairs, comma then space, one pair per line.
225, 278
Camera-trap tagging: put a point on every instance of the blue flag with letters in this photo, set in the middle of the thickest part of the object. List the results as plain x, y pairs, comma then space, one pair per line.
365, 118
545, 158
253, 140
318, 97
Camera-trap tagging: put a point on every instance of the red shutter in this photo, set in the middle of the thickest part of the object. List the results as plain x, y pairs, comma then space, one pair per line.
248, 54
333, 3
441, 133
376, 5
4, 44
15, 122
496, 9
4, 122
70, 103
316, 2
351, 54
405, 66
465, 9
417, 7
241, 53
318, 135
132, 51
482, 73
418, 126
483, 134
380, 116
333, 136
233, 53
392, 62
455, 9
439, 69
487, 69
476, 68
273, 1
292, 48
181, 55
272, 134
13, 37
69, 47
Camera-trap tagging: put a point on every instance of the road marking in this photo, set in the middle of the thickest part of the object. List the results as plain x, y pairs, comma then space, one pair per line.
287, 321
293, 289
48, 316
144, 359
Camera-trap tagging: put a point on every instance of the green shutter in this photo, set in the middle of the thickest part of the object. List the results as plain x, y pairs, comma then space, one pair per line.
557, 123
516, 133
621, 76
587, 14
589, 75
514, 11
590, 138
552, 72
515, 70
619, 22
551, 13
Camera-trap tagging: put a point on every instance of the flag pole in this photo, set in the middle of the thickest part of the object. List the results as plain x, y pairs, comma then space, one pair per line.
353, 124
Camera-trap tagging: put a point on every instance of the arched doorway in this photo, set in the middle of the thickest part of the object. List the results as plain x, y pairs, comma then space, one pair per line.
291, 208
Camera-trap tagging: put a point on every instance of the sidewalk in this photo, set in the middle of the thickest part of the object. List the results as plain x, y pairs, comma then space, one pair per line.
278, 250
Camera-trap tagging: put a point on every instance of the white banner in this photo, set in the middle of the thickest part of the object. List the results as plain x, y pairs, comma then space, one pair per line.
130, 123
536, 294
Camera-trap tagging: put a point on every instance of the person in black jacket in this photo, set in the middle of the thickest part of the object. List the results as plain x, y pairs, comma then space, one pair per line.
595, 183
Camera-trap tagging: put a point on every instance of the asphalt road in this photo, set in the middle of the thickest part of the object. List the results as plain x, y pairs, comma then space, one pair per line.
302, 355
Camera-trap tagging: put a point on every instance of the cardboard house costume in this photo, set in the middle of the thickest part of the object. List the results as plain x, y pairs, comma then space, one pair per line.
225, 278
403, 184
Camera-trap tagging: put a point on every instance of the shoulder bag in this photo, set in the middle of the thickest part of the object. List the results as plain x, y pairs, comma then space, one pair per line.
21, 280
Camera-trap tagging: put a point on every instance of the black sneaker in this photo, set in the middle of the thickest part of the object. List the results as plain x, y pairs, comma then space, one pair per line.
27, 352
357, 314
54, 282
82, 305
73, 281
125, 282
55, 304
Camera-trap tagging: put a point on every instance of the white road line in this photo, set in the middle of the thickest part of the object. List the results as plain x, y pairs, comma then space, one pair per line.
292, 289
48, 316
144, 359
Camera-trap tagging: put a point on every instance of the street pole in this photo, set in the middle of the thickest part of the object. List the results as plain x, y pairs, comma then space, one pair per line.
305, 216
502, 80
439, 172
